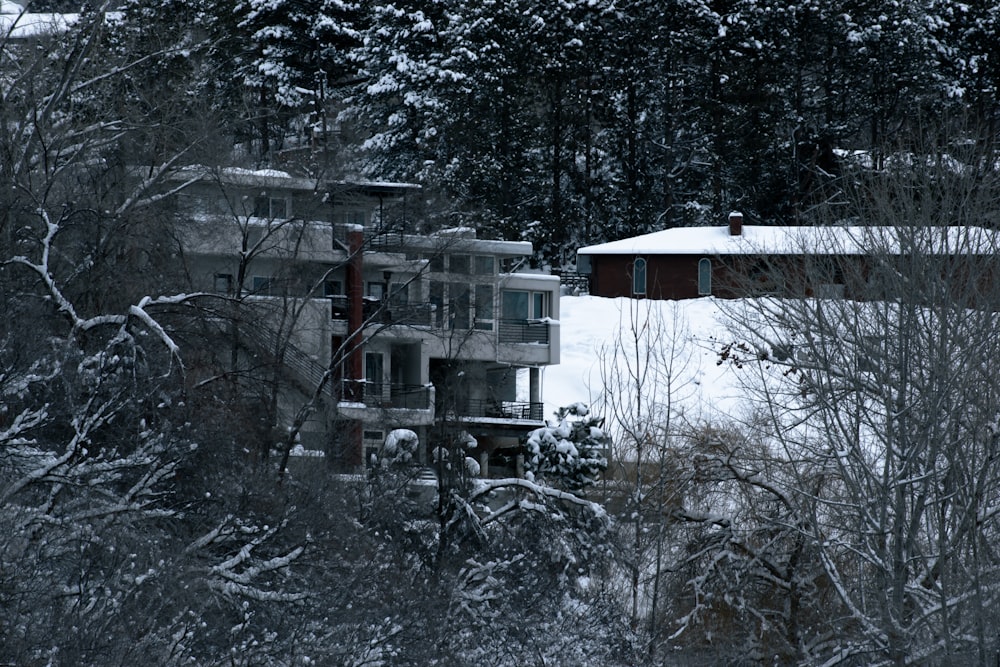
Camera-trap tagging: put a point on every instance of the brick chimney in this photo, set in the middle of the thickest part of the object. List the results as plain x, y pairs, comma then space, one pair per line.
735, 223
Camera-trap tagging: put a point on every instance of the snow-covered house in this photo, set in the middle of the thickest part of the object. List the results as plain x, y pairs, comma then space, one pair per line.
440, 333
738, 260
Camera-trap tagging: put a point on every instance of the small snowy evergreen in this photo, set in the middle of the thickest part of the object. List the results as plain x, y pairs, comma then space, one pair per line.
569, 451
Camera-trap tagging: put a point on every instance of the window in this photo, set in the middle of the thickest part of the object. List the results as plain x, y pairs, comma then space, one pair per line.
515, 305
538, 309
435, 263
437, 302
484, 265
639, 276
224, 283
523, 305
261, 284
374, 369
484, 307
353, 217
460, 310
704, 276
375, 290
399, 293
271, 207
333, 288
461, 264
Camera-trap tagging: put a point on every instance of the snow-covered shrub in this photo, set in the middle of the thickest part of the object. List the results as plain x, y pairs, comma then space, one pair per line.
569, 451
400, 447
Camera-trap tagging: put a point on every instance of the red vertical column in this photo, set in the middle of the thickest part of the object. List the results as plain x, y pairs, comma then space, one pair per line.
355, 307
354, 390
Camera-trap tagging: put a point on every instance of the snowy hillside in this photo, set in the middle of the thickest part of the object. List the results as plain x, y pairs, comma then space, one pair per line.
693, 329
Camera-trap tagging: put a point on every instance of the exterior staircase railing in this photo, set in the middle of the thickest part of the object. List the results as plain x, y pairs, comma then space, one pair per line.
301, 365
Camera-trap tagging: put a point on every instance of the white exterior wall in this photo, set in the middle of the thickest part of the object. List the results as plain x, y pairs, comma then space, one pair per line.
302, 251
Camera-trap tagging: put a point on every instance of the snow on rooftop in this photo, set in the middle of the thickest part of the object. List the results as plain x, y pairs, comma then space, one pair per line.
261, 173
791, 240
279, 178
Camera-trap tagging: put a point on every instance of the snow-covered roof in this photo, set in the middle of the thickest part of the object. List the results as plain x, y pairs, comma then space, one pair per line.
462, 244
275, 178
795, 240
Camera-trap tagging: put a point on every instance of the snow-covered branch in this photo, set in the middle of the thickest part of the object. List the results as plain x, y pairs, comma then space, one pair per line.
484, 487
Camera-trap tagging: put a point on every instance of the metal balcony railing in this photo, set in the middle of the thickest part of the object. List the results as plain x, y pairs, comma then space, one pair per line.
410, 314
500, 409
385, 239
578, 283
509, 331
388, 237
386, 395
523, 331
374, 310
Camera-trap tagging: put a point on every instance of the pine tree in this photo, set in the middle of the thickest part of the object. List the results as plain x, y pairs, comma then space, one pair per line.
569, 451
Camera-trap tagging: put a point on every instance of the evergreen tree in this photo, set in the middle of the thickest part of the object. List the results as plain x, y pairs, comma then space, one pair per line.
298, 56
569, 451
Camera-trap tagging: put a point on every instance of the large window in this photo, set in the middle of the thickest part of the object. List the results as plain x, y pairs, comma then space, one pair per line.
333, 288
484, 307
704, 276
460, 310
639, 276
484, 265
224, 283
461, 264
353, 217
262, 284
523, 305
271, 207
522, 314
374, 369
436, 296
399, 293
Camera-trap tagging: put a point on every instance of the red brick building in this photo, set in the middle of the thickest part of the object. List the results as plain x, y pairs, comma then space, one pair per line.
739, 260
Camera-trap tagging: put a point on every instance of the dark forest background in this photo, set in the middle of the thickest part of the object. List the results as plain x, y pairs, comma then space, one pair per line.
581, 121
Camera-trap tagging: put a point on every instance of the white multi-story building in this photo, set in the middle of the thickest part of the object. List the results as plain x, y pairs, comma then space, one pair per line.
441, 332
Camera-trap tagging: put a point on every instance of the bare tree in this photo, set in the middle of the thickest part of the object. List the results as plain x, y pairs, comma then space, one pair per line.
105, 558
881, 412
644, 382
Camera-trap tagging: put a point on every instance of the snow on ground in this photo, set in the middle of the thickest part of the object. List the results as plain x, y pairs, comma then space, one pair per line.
694, 328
